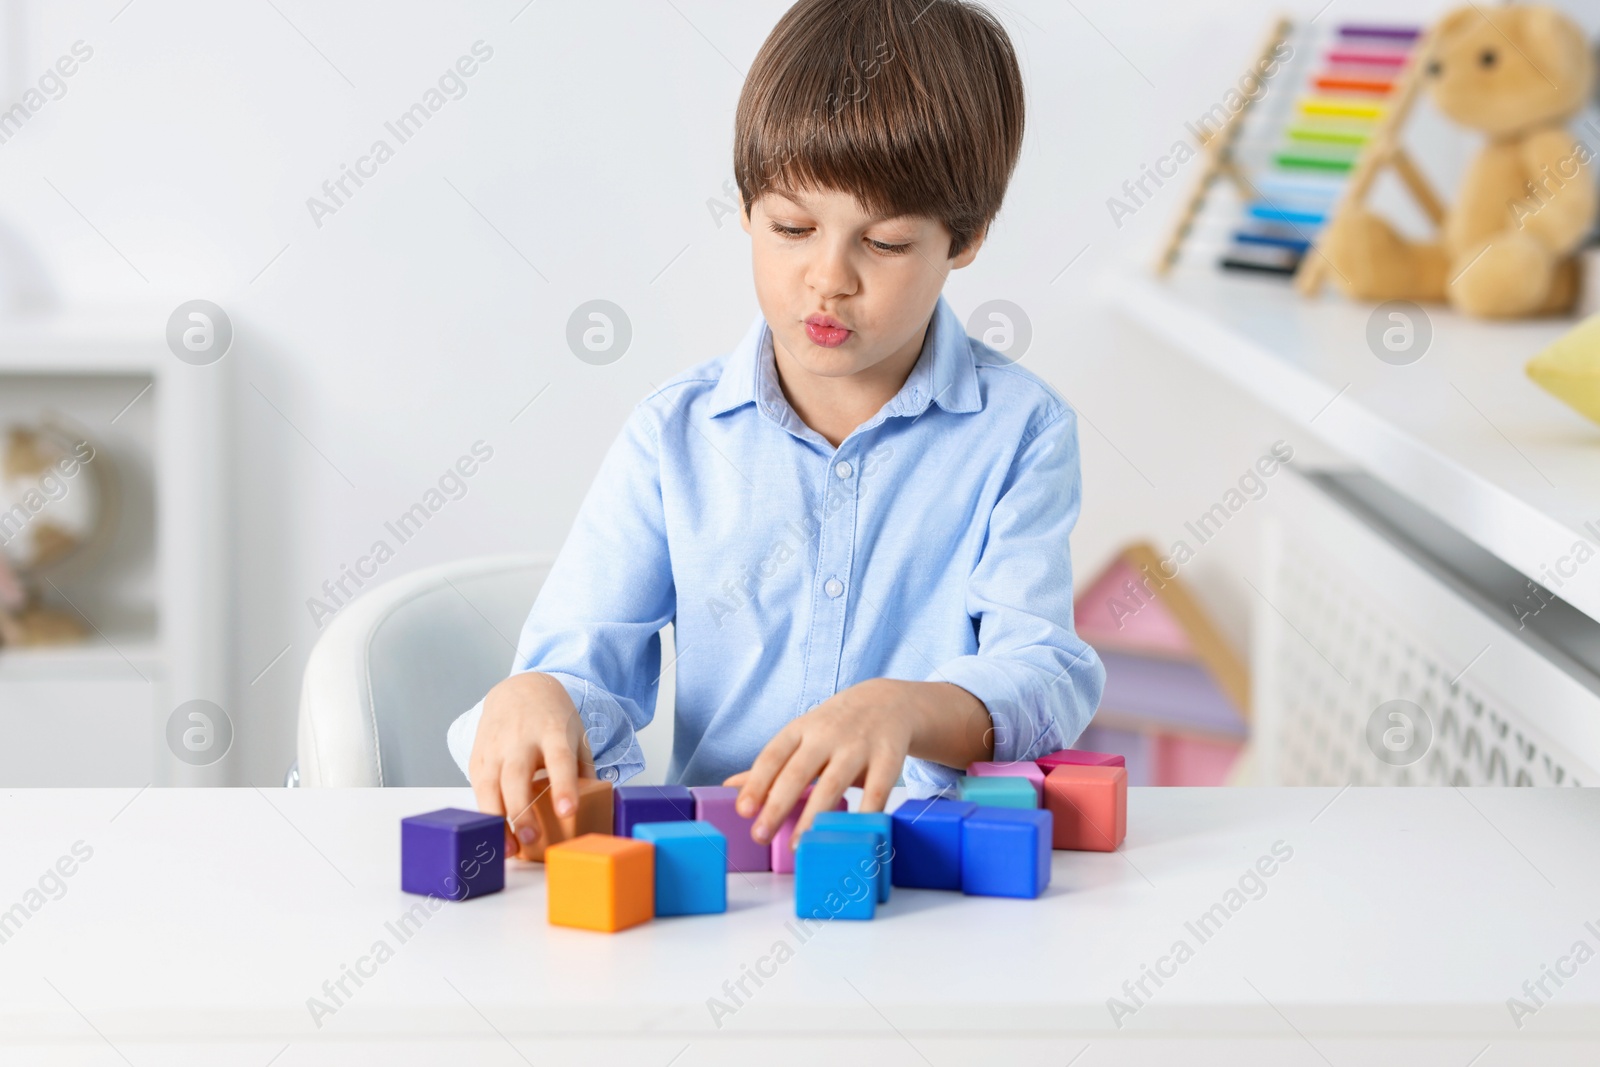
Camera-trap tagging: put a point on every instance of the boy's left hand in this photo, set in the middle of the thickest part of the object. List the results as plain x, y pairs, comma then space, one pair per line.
860, 736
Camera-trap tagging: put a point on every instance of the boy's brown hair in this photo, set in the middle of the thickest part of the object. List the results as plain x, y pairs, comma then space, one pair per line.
913, 106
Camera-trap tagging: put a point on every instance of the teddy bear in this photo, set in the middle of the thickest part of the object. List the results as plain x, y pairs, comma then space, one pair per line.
1506, 245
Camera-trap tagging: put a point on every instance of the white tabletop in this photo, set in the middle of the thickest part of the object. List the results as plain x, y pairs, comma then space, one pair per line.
1404, 918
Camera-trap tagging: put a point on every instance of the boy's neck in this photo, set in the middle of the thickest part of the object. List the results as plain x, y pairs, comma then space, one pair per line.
835, 406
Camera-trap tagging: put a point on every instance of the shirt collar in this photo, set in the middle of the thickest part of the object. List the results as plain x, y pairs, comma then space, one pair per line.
944, 373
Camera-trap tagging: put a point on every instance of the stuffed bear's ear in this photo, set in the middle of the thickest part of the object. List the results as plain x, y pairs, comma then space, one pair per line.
1454, 23
1557, 46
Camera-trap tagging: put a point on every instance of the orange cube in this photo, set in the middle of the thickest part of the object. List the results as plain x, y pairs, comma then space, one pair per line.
593, 815
600, 882
1089, 807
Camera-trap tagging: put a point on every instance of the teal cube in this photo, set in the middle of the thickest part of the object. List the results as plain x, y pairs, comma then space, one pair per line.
875, 822
828, 878
999, 791
691, 866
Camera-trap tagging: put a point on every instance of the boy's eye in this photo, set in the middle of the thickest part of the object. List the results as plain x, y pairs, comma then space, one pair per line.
788, 231
878, 246
888, 249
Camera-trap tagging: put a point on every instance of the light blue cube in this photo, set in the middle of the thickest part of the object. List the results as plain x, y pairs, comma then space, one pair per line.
691, 866
876, 822
999, 791
828, 878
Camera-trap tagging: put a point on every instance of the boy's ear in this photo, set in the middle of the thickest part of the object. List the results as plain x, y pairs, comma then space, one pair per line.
970, 253
744, 215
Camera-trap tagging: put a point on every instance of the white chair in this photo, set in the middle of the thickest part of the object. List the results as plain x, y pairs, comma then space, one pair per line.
397, 665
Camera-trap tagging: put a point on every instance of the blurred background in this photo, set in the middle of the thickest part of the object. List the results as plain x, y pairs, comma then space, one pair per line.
275, 363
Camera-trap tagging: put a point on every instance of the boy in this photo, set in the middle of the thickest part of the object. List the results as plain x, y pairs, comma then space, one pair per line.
857, 520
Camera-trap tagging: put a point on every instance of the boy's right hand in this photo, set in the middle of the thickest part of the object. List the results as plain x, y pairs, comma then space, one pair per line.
529, 722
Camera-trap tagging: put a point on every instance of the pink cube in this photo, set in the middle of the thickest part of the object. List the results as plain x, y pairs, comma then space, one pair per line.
714, 804
1026, 769
782, 854
1071, 757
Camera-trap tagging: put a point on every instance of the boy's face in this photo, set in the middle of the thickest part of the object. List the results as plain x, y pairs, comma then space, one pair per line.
844, 293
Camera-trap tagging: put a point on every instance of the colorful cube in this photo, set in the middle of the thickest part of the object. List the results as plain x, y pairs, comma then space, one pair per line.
875, 822
714, 804
1025, 769
1005, 852
600, 882
593, 815
1089, 805
635, 804
999, 791
691, 866
927, 843
452, 853
1071, 757
782, 854
829, 883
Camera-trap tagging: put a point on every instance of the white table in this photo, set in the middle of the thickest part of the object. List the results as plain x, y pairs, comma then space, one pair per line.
1404, 919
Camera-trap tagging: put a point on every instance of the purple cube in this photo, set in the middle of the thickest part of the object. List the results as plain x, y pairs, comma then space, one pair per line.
633, 804
714, 804
453, 854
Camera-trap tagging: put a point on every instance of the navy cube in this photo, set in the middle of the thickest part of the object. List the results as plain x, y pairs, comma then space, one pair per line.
453, 854
1005, 852
832, 878
634, 804
927, 843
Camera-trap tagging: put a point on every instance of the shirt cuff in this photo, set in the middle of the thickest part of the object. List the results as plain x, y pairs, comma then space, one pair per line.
612, 741
1025, 727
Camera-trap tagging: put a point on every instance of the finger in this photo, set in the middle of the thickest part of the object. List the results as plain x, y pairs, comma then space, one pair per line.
766, 767
881, 774
736, 779
562, 764
486, 791
836, 777
797, 773
516, 789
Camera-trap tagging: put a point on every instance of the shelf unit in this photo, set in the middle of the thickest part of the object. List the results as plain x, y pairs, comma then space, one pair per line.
96, 713
1462, 431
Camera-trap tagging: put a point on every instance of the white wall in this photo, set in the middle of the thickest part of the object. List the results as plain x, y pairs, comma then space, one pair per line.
376, 349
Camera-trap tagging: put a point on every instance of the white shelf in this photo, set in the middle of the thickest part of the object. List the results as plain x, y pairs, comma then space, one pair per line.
1463, 431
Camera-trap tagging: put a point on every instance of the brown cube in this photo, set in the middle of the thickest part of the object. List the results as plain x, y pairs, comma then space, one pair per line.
593, 815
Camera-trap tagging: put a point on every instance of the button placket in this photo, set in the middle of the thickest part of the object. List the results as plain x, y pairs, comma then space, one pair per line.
835, 552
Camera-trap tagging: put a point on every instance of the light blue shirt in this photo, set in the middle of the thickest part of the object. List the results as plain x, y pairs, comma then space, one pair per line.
931, 545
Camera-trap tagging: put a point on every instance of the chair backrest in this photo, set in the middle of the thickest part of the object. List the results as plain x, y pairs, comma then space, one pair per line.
396, 666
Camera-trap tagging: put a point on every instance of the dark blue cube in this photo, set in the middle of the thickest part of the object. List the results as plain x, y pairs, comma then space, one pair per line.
1005, 852
634, 804
927, 843
453, 854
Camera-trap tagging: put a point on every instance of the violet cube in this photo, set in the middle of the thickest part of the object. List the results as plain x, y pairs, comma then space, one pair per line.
452, 853
714, 804
633, 804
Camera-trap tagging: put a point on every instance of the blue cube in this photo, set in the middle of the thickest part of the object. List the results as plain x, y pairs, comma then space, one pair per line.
453, 854
927, 843
875, 822
1005, 852
634, 804
828, 878
691, 866
1000, 791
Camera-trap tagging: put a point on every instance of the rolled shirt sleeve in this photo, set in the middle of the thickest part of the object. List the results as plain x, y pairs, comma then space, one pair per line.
596, 624
1040, 682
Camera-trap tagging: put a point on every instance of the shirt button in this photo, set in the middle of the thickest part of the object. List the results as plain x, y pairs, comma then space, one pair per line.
843, 469
608, 773
833, 587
